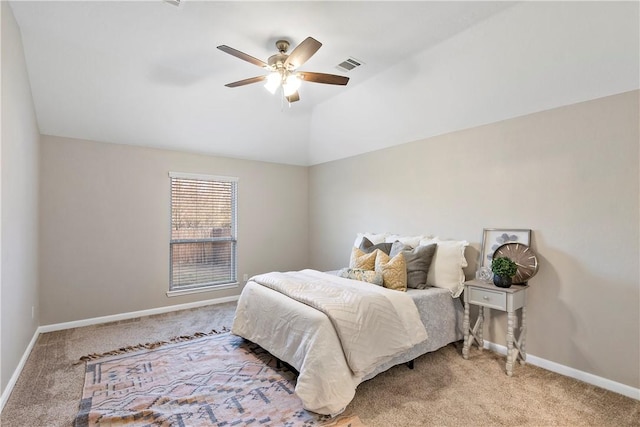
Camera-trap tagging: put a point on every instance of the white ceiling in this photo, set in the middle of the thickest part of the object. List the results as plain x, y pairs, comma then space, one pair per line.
148, 73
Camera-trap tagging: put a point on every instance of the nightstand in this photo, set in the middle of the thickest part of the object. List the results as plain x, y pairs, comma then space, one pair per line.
488, 295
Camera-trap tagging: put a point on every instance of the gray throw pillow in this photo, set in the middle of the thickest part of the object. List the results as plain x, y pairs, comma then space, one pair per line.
418, 262
367, 246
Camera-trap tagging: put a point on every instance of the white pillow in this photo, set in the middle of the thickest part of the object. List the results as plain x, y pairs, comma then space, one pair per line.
373, 238
430, 240
412, 241
446, 267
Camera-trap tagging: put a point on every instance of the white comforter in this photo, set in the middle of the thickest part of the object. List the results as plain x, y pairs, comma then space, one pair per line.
340, 331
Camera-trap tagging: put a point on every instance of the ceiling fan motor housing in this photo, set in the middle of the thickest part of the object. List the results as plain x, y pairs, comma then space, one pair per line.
277, 61
282, 46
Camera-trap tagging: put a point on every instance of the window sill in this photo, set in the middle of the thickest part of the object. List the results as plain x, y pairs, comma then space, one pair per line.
202, 289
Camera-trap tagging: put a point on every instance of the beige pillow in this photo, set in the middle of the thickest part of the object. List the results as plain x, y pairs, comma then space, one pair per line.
446, 270
394, 271
362, 260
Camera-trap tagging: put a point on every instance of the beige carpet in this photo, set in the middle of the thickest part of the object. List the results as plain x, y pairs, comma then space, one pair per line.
442, 390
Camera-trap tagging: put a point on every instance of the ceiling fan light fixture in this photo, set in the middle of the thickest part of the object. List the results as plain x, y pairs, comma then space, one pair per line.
291, 84
273, 82
282, 69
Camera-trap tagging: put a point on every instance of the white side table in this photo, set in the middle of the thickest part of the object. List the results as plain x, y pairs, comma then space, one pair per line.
488, 295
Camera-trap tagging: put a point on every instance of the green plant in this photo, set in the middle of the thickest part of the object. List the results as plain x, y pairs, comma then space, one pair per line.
503, 267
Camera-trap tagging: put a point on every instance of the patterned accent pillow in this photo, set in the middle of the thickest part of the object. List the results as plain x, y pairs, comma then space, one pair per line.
367, 246
418, 262
394, 271
362, 260
368, 276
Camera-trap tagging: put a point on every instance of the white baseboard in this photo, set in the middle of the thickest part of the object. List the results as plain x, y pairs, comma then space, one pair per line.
95, 321
16, 373
133, 314
616, 387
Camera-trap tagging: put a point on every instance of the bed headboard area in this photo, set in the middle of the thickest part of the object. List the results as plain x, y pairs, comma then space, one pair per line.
416, 262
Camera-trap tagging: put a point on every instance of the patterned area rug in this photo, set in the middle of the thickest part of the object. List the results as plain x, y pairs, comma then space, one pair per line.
218, 380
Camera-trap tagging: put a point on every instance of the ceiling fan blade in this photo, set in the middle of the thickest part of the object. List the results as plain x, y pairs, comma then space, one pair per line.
330, 79
302, 52
243, 56
295, 96
246, 81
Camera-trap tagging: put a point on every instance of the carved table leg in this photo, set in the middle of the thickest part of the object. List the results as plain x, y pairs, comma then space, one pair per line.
465, 327
481, 327
510, 320
523, 336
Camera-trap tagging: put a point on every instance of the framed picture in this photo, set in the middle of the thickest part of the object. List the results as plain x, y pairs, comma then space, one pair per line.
493, 238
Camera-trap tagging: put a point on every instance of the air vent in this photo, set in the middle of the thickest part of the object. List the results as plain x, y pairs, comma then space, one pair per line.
349, 64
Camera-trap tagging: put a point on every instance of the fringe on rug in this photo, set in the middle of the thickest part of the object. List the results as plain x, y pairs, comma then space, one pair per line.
150, 345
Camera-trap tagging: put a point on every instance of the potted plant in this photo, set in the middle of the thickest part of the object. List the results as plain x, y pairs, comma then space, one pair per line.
503, 270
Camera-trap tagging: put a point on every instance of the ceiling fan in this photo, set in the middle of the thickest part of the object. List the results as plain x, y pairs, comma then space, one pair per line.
282, 68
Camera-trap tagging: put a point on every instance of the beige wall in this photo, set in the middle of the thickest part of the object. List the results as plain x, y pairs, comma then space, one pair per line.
19, 195
570, 174
104, 240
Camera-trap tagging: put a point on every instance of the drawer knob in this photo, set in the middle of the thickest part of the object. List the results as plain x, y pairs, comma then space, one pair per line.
486, 298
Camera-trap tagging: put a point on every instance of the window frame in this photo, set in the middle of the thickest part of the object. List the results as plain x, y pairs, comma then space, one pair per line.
207, 286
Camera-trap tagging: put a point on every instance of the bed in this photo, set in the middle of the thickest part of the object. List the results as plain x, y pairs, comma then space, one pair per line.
308, 340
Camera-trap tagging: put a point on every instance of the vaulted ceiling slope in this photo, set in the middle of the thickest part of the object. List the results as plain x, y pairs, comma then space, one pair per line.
532, 57
148, 73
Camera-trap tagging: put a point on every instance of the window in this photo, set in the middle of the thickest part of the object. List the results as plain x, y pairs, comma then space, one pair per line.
203, 232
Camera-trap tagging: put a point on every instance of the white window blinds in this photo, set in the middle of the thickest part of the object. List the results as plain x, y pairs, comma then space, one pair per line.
203, 231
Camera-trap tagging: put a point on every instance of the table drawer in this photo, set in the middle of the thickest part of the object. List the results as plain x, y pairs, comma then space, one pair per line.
492, 299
